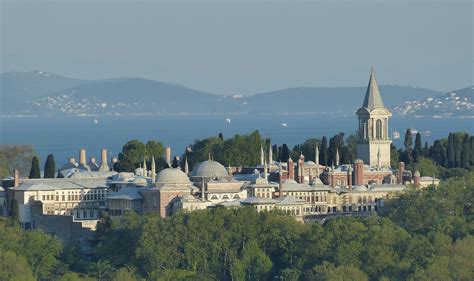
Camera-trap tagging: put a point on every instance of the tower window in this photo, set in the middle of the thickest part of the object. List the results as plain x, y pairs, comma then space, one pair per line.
379, 129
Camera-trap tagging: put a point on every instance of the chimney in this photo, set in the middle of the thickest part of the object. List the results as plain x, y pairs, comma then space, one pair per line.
168, 155
82, 156
331, 179
416, 179
349, 177
280, 182
401, 169
291, 169
104, 167
359, 172
16, 178
301, 169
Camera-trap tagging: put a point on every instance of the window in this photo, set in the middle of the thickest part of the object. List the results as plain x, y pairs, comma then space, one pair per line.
378, 129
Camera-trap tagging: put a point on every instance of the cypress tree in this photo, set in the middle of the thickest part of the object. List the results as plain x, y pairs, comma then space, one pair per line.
35, 169
275, 152
471, 152
49, 167
408, 147
457, 150
437, 153
417, 152
450, 151
465, 152
425, 150
323, 152
285, 153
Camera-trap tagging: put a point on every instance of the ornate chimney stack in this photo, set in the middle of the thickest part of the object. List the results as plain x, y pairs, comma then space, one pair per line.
337, 157
359, 172
168, 155
291, 169
262, 156
401, 170
104, 167
82, 156
301, 169
186, 166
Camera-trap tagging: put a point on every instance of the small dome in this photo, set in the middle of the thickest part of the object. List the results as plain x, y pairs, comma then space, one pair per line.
172, 176
210, 169
360, 188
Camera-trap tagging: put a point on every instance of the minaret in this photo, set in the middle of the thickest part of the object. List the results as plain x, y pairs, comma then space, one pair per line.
291, 169
262, 156
186, 166
337, 157
153, 169
265, 172
144, 167
270, 154
310, 176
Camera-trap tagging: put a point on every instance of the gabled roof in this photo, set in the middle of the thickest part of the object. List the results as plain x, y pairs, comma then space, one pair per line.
372, 96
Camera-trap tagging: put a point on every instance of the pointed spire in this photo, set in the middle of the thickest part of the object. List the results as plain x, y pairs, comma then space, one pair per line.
337, 157
270, 154
265, 171
144, 167
186, 166
209, 156
262, 155
153, 169
372, 96
316, 154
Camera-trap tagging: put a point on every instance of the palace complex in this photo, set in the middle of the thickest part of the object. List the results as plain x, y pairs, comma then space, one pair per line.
68, 205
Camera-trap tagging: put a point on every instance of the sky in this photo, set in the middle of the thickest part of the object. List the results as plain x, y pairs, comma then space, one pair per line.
236, 47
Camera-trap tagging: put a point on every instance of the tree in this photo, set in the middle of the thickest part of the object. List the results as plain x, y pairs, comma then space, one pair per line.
253, 263
14, 267
426, 167
437, 153
417, 152
408, 146
394, 156
457, 144
285, 153
308, 149
450, 151
175, 163
465, 152
49, 167
323, 152
328, 271
16, 157
221, 136
471, 156
35, 169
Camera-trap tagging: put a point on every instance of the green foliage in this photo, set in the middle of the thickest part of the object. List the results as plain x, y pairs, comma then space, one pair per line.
426, 167
15, 157
14, 267
35, 169
308, 148
133, 153
240, 150
328, 271
49, 167
418, 151
408, 147
323, 157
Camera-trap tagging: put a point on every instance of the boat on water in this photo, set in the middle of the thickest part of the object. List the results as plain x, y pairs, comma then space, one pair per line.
96, 121
284, 125
396, 135
426, 133
228, 120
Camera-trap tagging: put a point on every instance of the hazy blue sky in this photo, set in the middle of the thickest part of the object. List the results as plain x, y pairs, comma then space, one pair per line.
238, 47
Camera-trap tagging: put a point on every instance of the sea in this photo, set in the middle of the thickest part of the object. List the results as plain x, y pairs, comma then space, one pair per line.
63, 136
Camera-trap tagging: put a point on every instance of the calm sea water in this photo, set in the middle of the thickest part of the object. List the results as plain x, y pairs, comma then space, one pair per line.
64, 136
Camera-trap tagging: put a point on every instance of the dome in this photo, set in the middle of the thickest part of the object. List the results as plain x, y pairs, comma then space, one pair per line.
210, 169
172, 176
360, 188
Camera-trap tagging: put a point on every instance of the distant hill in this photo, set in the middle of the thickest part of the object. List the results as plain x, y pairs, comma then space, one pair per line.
459, 103
40, 93
17, 88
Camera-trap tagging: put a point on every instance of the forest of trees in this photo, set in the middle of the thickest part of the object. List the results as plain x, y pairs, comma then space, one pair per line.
422, 235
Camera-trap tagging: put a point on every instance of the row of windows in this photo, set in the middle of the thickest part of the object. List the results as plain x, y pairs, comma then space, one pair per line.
85, 197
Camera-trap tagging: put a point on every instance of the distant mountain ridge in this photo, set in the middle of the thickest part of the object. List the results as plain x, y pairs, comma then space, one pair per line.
48, 94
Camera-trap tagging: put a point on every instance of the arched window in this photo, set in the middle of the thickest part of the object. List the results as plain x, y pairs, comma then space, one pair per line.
379, 129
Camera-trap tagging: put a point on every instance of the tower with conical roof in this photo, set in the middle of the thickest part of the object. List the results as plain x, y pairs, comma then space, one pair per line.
373, 127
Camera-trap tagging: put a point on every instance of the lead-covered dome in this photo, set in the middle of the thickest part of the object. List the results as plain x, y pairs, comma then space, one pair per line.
172, 176
210, 169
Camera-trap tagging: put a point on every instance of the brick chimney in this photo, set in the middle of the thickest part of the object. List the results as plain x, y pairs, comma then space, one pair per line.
359, 172
82, 156
280, 182
291, 169
401, 169
349, 177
